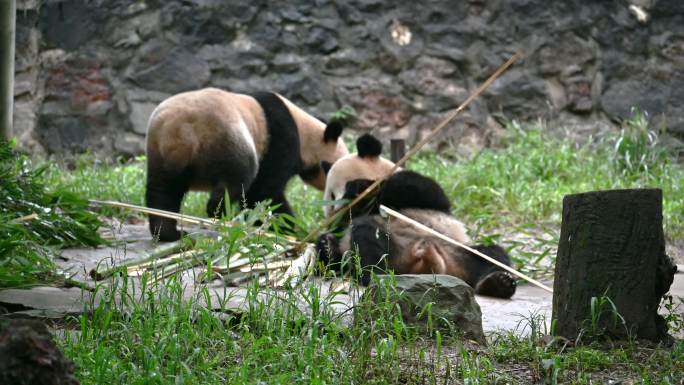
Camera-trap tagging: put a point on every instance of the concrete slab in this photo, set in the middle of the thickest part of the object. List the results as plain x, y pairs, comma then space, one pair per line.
57, 302
515, 314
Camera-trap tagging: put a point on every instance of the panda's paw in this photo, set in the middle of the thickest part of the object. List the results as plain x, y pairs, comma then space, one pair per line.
497, 284
171, 235
327, 246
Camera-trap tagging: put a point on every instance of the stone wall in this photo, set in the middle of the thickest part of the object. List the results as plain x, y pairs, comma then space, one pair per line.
89, 73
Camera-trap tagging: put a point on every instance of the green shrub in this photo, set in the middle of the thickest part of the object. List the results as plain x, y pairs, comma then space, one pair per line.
35, 222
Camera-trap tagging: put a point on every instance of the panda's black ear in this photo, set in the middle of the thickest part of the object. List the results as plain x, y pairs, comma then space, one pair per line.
368, 145
332, 131
325, 165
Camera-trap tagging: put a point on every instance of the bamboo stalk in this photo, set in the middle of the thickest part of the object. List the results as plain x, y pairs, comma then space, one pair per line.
236, 278
241, 262
188, 219
171, 269
478, 91
267, 266
300, 267
25, 218
439, 235
100, 272
161, 262
8, 12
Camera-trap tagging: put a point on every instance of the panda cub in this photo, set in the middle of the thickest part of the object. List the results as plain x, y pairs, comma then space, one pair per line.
388, 244
245, 146
365, 165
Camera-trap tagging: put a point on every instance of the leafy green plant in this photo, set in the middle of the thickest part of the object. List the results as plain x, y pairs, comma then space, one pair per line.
674, 316
552, 368
599, 307
35, 222
343, 115
637, 148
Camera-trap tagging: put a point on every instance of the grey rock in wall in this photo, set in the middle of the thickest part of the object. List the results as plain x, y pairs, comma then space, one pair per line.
89, 73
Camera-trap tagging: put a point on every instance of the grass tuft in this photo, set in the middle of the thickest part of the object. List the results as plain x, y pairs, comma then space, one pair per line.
35, 223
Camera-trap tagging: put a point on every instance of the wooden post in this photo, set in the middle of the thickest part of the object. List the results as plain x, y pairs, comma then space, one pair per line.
398, 149
612, 245
8, 13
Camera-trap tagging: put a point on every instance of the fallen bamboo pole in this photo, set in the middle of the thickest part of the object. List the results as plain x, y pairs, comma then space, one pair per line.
25, 218
478, 91
165, 261
299, 269
188, 219
101, 272
441, 236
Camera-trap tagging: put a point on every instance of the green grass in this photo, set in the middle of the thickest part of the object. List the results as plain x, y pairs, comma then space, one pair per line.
557, 362
158, 335
34, 223
524, 183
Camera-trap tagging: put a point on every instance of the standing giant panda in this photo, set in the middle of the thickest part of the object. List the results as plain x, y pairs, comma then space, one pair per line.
386, 244
246, 145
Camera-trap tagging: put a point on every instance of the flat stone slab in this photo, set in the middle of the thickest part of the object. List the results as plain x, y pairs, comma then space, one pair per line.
513, 314
46, 301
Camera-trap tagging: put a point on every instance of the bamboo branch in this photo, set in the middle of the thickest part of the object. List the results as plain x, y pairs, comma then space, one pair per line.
300, 267
441, 236
238, 263
189, 219
183, 218
336, 214
180, 265
102, 272
25, 218
161, 262
266, 266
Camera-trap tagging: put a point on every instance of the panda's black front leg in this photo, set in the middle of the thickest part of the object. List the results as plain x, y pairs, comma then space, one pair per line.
283, 204
216, 205
278, 200
283, 207
168, 197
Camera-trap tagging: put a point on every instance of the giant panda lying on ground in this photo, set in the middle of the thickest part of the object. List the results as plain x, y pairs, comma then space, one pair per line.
388, 244
246, 145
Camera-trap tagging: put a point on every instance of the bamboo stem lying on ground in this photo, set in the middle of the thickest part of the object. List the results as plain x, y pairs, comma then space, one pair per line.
180, 265
439, 235
300, 268
157, 264
25, 218
238, 263
187, 219
265, 266
102, 272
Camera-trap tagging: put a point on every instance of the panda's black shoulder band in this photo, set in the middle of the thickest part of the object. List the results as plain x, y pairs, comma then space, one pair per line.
368, 145
281, 158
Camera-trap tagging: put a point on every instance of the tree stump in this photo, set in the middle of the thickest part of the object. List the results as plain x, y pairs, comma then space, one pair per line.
612, 245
